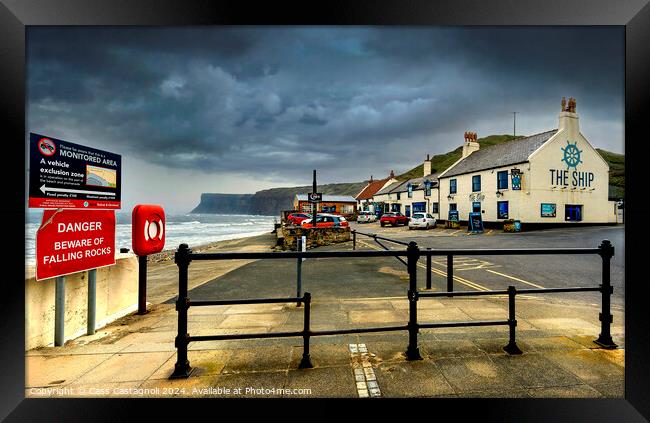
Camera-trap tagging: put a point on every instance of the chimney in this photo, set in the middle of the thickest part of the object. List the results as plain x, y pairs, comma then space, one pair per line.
426, 167
569, 117
370, 178
470, 145
392, 174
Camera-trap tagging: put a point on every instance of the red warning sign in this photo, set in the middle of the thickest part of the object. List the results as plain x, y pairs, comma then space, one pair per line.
71, 241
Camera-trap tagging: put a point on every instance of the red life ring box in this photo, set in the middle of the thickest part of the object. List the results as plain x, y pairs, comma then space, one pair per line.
147, 229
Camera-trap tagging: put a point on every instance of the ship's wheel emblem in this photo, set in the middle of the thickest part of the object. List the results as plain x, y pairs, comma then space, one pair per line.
571, 155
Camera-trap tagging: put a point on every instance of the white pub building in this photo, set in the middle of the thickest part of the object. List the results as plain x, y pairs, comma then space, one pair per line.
555, 176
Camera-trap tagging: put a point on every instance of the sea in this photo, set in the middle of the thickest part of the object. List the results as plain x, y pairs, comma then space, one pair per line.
191, 229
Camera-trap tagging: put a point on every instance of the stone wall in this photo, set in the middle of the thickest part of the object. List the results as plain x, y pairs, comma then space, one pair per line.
315, 237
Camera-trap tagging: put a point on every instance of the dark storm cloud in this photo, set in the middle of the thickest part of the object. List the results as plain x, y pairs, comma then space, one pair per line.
278, 102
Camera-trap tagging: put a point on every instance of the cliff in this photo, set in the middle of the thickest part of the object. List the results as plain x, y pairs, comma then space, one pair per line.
269, 202
224, 204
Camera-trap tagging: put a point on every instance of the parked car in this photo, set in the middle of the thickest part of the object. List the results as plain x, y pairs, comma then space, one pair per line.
326, 221
422, 220
393, 218
297, 218
366, 217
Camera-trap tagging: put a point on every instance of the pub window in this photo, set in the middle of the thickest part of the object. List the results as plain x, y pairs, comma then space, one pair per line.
427, 188
476, 183
573, 212
434, 208
502, 209
398, 195
410, 190
452, 186
502, 180
452, 206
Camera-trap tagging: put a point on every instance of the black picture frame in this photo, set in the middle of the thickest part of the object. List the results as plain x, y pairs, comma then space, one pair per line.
634, 15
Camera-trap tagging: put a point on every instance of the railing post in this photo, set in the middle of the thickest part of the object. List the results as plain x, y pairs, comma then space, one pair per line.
182, 368
450, 274
354, 240
305, 363
428, 269
299, 270
512, 347
605, 338
412, 351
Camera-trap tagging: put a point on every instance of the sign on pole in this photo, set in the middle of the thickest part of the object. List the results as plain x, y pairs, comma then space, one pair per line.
67, 175
315, 197
71, 241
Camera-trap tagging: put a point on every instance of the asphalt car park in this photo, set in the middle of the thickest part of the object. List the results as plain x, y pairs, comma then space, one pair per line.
497, 272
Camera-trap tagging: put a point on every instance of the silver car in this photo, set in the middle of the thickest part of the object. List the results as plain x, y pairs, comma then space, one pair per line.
422, 220
366, 217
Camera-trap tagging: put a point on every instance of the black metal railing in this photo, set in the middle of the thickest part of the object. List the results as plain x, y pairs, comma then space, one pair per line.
377, 238
184, 256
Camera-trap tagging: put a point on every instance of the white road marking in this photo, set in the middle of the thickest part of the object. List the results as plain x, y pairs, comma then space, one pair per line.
515, 279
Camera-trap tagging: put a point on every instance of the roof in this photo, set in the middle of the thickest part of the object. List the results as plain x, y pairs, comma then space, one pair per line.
331, 198
504, 154
371, 189
389, 188
418, 183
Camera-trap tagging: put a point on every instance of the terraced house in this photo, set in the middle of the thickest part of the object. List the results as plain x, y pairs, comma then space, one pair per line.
414, 195
551, 177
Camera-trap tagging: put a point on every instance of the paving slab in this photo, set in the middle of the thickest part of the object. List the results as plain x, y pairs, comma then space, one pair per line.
259, 359
322, 355
126, 368
330, 382
573, 391
59, 370
204, 362
532, 370
434, 349
589, 366
473, 374
412, 379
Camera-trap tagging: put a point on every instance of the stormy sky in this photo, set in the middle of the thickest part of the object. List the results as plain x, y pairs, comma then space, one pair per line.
239, 109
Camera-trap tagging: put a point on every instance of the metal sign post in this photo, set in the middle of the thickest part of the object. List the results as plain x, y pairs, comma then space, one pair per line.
142, 285
314, 198
59, 312
92, 300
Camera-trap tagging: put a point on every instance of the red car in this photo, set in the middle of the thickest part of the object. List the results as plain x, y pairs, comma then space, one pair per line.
394, 218
297, 218
326, 221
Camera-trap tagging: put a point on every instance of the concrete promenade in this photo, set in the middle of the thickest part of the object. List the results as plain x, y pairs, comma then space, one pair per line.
134, 356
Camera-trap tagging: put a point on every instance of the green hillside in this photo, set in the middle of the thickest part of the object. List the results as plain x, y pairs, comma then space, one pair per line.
440, 162
616, 172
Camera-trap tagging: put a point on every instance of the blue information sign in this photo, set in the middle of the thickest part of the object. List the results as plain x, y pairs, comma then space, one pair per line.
475, 222
453, 215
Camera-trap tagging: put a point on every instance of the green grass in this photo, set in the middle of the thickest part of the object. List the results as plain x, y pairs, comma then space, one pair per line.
440, 162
